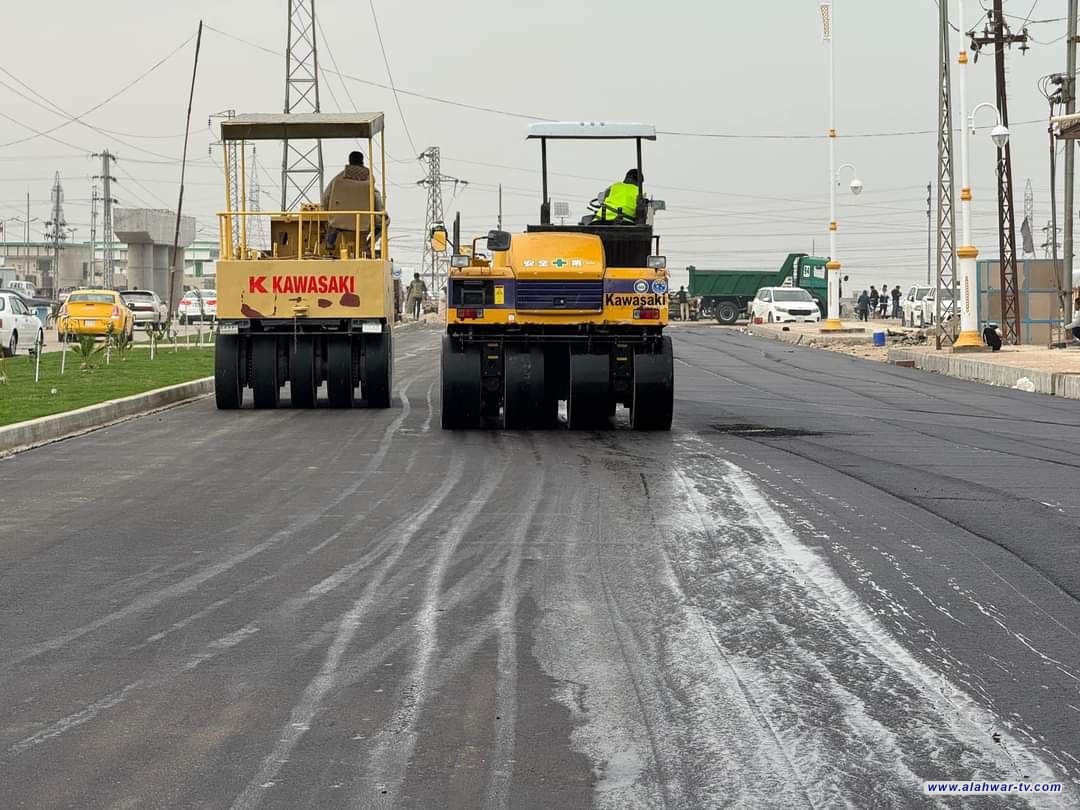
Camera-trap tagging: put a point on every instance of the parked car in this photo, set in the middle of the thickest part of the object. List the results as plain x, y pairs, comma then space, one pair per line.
928, 312
147, 307
24, 288
911, 306
197, 305
93, 312
784, 305
20, 329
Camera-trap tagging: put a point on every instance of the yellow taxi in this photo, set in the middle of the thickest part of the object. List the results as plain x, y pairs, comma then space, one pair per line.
93, 312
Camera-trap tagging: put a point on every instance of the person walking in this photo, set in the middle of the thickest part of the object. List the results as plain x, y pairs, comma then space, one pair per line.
862, 306
414, 298
873, 299
684, 304
896, 302
883, 302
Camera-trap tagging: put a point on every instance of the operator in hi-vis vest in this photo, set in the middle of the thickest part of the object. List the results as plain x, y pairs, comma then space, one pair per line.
620, 201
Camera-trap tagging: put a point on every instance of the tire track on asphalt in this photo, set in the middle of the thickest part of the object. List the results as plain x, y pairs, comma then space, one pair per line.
394, 744
502, 765
151, 600
349, 623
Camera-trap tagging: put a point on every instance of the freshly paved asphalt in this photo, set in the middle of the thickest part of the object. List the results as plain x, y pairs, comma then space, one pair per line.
832, 580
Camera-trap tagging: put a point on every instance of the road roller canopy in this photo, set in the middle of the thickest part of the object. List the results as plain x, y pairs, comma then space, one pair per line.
306, 126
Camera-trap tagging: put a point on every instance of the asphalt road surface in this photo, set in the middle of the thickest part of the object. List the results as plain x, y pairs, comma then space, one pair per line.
831, 581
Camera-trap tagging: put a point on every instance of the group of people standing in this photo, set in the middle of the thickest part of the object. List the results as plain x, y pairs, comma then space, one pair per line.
876, 303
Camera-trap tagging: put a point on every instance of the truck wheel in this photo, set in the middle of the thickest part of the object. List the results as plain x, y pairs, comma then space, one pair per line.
303, 385
727, 313
228, 383
264, 371
340, 384
590, 395
462, 398
378, 361
654, 388
524, 395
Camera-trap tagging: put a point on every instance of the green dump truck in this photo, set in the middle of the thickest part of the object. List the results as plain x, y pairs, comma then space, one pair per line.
725, 294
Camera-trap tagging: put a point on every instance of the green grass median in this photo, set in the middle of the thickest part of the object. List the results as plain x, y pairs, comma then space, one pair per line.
21, 398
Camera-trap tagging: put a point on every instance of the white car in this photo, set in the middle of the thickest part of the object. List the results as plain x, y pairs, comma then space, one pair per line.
20, 329
197, 305
146, 305
784, 305
911, 306
928, 311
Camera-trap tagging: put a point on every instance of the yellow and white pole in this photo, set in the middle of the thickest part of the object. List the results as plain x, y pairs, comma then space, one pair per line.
832, 322
966, 253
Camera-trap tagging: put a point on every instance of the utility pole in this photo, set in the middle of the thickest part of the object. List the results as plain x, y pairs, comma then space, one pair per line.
93, 234
1069, 91
434, 261
301, 161
1029, 222
929, 233
945, 332
997, 33
56, 232
832, 268
108, 266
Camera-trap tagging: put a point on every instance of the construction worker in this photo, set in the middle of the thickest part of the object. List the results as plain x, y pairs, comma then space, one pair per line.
619, 201
350, 190
415, 296
684, 304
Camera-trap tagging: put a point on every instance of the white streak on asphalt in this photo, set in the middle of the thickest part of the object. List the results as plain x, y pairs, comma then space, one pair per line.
395, 742
75, 720
311, 700
189, 584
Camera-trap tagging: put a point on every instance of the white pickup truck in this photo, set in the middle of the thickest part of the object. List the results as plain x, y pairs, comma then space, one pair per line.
911, 307
924, 312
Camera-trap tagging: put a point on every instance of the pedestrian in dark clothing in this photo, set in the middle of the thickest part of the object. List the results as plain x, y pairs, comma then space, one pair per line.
883, 303
863, 306
873, 299
896, 302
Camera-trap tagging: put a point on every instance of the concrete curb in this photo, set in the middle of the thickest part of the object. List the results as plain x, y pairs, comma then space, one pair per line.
24, 435
967, 368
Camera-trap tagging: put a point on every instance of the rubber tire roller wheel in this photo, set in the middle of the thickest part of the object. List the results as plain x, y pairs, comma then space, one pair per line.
462, 399
228, 381
264, 372
340, 384
653, 399
524, 396
303, 385
590, 392
378, 380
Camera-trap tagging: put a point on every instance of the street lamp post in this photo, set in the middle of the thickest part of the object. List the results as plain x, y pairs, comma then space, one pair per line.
969, 338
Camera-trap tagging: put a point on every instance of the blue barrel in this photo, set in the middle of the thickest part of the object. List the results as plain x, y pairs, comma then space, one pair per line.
879, 338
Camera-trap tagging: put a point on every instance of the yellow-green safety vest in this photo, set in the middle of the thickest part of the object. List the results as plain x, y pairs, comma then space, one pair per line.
622, 197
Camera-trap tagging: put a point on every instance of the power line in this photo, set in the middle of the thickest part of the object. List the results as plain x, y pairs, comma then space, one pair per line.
390, 77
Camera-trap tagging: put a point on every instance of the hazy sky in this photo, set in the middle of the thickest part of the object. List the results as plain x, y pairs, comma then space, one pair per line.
723, 68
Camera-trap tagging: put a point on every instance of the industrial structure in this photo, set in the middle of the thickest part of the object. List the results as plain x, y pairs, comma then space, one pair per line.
301, 161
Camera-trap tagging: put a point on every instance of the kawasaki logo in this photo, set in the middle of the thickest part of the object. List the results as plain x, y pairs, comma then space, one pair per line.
302, 284
624, 300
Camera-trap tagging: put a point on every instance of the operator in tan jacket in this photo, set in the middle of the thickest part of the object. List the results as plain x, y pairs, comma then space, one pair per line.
350, 190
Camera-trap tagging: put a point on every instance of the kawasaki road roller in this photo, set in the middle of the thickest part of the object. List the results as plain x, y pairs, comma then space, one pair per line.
305, 295
563, 316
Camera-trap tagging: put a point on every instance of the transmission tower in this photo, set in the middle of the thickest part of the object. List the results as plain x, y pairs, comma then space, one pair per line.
301, 161
434, 262
997, 33
945, 330
231, 152
56, 231
256, 225
107, 263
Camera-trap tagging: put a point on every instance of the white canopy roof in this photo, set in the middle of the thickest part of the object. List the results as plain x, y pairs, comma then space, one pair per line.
301, 126
592, 129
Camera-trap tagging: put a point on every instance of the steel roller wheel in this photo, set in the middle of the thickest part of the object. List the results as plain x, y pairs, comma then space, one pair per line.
653, 401
590, 396
525, 398
228, 380
378, 370
264, 371
303, 383
340, 383
462, 399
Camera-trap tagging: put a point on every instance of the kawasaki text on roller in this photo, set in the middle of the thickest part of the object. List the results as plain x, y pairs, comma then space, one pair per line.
302, 284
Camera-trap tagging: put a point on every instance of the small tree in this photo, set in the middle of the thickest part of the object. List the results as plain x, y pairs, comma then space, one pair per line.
87, 350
